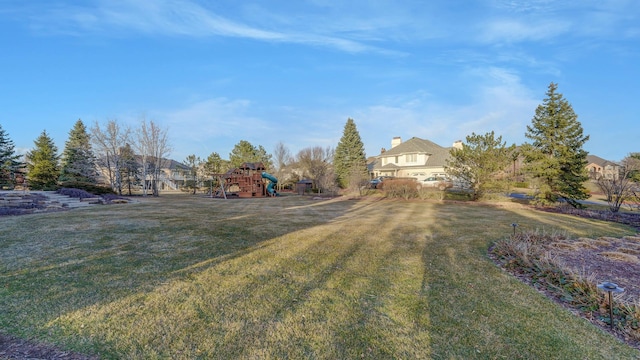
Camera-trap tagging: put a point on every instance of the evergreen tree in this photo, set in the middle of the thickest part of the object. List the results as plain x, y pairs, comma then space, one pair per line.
130, 169
556, 157
479, 162
8, 160
42, 164
215, 164
78, 160
245, 152
195, 165
350, 162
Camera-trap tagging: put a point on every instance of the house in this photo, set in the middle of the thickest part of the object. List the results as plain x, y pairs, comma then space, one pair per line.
417, 158
172, 174
598, 167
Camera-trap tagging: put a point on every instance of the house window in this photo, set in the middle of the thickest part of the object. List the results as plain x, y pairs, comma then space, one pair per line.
396, 160
411, 158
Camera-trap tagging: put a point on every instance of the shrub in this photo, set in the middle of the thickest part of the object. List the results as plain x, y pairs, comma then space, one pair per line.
75, 193
88, 187
400, 188
521, 184
113, 198
431, 193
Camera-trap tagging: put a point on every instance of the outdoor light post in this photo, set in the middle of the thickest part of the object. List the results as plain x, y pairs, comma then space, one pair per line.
515, 225
610, 288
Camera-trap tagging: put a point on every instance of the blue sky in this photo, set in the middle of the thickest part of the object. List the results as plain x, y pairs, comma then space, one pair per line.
217, 72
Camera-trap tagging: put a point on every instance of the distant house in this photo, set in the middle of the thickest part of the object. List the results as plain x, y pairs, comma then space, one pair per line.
417, 158
598, 167
172, 175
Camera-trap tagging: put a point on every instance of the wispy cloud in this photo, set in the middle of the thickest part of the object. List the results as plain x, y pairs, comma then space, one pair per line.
217, 117
497, 100
539, 20
187, 18
166, 17
512, 30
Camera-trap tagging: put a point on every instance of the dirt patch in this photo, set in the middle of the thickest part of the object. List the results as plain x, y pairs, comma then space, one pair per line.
12, 348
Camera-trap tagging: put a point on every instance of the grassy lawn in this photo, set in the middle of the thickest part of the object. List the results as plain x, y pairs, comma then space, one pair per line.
187, 277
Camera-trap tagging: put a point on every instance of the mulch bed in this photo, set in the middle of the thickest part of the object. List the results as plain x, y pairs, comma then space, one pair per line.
631, 219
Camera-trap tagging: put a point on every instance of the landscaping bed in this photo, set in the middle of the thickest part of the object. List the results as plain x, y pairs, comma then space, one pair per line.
22, 203
568, 270
16, 203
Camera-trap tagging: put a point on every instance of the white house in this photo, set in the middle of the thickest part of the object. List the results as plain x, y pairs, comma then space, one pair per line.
417, 158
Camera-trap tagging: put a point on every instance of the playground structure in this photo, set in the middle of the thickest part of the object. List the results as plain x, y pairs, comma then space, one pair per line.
246, 181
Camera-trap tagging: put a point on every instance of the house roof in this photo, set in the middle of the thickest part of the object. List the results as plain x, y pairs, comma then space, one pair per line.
389, 166
438, 155
174, 165
414, 145
592, 159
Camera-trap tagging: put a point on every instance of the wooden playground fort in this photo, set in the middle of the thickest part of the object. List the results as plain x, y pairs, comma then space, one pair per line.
248, 180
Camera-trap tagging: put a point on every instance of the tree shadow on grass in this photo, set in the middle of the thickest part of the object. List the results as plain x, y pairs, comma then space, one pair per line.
59, 263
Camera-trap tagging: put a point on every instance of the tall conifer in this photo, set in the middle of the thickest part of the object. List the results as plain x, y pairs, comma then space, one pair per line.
556, 156
8, 159
350, 161
42, 164
78, 160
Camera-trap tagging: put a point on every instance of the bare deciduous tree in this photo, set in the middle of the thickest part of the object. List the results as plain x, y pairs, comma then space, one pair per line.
108, 142
283, 158
357, 180
316, 163
621, 188
153, 147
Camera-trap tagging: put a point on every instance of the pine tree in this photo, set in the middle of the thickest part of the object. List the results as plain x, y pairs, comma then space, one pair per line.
350, 162
215, 164
195, 164
42, 164
556, 157
8, 160
130, 169
78, 160
245, 152
479, 162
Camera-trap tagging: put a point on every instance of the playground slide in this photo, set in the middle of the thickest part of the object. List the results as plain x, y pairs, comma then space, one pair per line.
272, 184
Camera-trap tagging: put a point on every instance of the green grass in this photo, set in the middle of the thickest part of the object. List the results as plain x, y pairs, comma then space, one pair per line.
288, 277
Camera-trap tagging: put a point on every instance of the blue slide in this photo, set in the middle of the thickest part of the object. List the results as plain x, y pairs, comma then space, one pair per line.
272, 184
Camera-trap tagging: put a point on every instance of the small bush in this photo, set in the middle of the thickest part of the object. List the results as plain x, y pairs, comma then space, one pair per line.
75, 193
431, 193
113, 198
88, 187
400, 188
